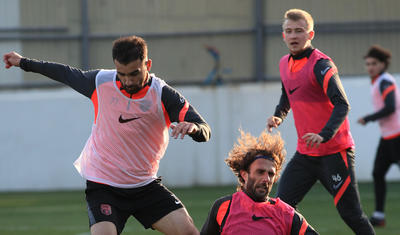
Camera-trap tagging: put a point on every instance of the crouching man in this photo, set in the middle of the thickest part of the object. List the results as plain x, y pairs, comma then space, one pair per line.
257, 163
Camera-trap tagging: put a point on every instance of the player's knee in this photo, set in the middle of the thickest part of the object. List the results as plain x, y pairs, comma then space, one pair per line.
184, 230
190, 228
378, 175
177, 222
358, 222
192, 231
103, 228
291, 202
352, 216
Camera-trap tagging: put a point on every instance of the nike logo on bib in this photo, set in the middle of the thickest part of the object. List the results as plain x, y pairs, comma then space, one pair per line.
326, 70
255, 218
121, 120
293, 90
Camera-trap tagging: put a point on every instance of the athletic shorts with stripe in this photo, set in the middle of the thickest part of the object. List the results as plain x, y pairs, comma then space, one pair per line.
147, 204
336, 174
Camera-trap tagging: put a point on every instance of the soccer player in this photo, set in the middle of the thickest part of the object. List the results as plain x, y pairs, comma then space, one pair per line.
311, 87
386, 101
133, 112
257, 163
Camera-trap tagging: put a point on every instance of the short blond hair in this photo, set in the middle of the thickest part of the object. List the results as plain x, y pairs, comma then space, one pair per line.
298, 14
248, 147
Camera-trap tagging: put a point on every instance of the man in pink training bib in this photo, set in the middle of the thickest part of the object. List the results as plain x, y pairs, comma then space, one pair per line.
133, 112
257, 163
311, 88
386, 101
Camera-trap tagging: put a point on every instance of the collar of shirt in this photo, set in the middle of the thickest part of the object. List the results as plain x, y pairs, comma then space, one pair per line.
306, 53
140, 94
373, 80
296, 63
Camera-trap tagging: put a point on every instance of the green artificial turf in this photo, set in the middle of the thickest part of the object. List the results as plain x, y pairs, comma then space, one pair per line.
64, 212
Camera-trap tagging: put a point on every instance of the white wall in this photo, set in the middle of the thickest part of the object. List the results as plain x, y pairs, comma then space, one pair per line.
43, 131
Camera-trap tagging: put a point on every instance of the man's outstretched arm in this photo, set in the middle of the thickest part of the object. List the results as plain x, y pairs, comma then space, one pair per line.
387, 89
82, 82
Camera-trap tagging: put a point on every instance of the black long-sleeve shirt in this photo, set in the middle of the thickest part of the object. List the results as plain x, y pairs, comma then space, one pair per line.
390, 103
84, 82
335, 93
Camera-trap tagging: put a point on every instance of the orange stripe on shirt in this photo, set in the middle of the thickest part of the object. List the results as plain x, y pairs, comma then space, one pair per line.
223, 208
342, 190
387, 91
303, 228
95, 104
327, 78
183, 112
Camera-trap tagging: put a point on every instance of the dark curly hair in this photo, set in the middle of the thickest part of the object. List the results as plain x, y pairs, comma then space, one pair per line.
379, 53
128, 49
248, 147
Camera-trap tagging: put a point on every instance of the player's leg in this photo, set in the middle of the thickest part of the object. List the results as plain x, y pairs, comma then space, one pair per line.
381, 166
338, 177
103, 228
160, 209
176, 222
297, 179
104, 215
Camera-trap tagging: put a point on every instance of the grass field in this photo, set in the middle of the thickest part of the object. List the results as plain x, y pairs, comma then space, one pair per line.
62, 213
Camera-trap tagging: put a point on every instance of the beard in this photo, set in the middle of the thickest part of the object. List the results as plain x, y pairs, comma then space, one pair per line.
258, 192
131, 89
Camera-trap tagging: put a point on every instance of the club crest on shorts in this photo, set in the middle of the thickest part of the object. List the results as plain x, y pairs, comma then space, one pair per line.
105, 209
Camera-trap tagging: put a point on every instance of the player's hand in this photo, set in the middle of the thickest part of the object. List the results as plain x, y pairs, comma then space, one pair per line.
273, 121
183, 128
362, 121
11, 59
312, 139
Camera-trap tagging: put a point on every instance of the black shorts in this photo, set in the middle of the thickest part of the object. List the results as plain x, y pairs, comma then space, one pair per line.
389, 150
388, 153
147, 204
335, 172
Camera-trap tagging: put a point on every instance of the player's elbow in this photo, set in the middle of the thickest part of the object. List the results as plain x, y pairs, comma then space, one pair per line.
344, 108
207, 134
390, 109
348, 109
345, 105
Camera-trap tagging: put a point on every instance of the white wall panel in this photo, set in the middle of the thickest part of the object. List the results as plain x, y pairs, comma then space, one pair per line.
43, 131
